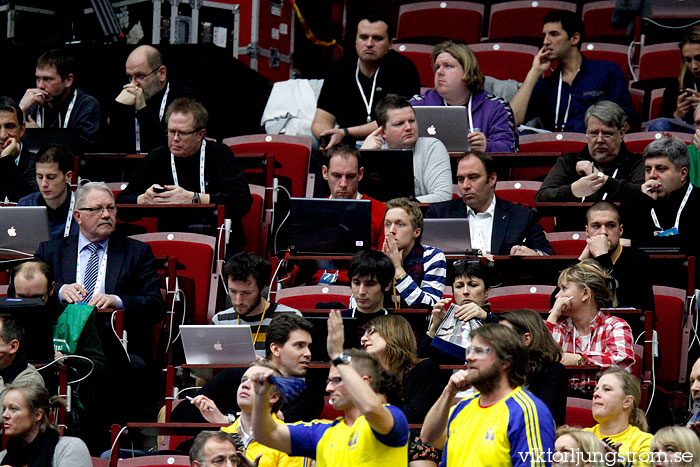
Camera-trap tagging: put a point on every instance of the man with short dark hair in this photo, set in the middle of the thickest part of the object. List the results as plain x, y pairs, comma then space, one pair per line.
288, 341
14, 368
501, 423
56, 102
136, 118
664, 213
496, 226
191, 170
561, 99
247, 276
371, 273
17, 177
54, 170
355, 83
370, 432
398, 129
604, 170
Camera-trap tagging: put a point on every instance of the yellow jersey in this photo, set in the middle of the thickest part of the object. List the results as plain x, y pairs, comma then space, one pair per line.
636, 445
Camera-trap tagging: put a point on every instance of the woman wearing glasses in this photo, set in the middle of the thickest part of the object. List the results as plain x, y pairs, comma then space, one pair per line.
585, 334
546, 377
391, 341
33, 440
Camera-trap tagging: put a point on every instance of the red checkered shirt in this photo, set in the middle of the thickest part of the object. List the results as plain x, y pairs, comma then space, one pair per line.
610, 343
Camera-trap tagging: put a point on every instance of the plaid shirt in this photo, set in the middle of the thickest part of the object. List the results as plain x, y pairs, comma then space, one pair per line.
610, 343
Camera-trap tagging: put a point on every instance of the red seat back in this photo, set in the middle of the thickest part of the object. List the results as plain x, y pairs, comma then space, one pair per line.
492, 56
515, 297
659, 61
307, 296
253, 222
672, 334
579, 413
597, 17
657, 96
518, 191
419, 54
553, 142
522, 18
615, 53
636, 142
444, 19
567, 243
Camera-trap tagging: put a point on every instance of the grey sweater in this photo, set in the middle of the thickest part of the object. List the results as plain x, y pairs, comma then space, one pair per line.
70, 452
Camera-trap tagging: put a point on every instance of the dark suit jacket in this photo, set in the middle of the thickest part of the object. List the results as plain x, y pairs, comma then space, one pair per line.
18, 180
511, 224
131, 274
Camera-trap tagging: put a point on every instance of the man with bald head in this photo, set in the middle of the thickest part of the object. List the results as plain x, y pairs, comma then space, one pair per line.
136, 121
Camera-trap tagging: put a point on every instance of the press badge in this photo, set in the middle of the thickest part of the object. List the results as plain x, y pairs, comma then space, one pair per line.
666, 233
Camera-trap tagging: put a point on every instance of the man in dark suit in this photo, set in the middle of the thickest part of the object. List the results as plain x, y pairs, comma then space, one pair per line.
17, 177
496, 226
104, 269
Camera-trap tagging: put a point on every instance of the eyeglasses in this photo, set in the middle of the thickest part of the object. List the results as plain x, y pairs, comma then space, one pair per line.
605, 135
369, 331
181, 134
139, 76
336, 381
220, 461
100, 209
461, 262
479, 352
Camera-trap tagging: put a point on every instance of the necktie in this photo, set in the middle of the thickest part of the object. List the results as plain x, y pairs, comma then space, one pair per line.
90, 277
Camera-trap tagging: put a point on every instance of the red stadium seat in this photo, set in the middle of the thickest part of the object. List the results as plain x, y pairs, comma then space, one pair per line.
579, 413
657, 96
553, 142
673, 330
522, 18
659, 61
196, 253
306, 297
637, 99
567, 243
636, 142
518, 191
492, 57
516, 297
168, 460
597, 17
419, 54
292, 153
254, 223
615, 53
441, 20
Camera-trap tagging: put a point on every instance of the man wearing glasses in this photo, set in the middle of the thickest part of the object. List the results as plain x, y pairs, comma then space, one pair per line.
100, 268
500, 423
191, 170
605, 170
136, 122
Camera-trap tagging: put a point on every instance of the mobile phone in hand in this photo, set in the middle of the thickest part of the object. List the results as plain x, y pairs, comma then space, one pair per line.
159, 189
325, 140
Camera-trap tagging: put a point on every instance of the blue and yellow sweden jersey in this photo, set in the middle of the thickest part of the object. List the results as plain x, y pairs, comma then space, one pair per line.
518, 430
334, 444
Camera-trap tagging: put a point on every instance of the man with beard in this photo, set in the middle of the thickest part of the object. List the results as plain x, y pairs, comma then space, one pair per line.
694, 422
501, 424
246, 277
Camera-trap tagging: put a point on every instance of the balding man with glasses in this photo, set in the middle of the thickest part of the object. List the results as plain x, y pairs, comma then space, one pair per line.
191, 170
137, 118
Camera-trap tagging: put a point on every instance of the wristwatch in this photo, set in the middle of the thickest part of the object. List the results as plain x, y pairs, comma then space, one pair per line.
196, 199
580, 360
342, 359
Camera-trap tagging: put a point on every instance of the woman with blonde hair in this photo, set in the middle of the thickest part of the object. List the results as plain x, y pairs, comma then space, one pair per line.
621, 423
459, 81
576, 447
676, 445
586, 334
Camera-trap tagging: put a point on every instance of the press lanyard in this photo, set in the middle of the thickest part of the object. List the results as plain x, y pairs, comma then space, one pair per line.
469, 114
201, 167
568, 105
100, 274
39, 115
368, 105
605, 195
678, 214
69, 219
161, 112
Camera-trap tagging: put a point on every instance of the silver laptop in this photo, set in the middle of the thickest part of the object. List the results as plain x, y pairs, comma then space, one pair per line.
449, 124
22, 229
217, 344
449, 235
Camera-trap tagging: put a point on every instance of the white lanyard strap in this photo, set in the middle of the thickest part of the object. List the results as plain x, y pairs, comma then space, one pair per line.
40, 114
469, 114
558, 127
100, 275
678, 214
69, 218
605, 195
201, 167
368, 105
161, 112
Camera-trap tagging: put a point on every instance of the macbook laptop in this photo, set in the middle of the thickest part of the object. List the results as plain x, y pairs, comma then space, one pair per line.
329, 226
217, 344
449, 124
388, 173
449, 235
31, 314
22, 229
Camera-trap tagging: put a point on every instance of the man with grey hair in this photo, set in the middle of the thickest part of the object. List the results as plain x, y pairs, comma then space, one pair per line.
216, 448
101, 268
664, 213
